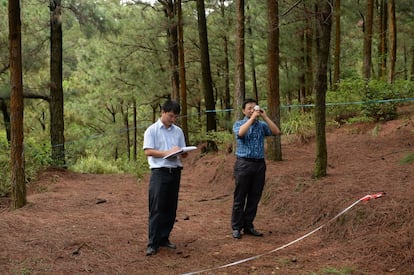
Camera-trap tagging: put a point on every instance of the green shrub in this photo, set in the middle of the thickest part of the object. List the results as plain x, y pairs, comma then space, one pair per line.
92, 164
98, 165
299, 124
404, 89
343, 104
376, 101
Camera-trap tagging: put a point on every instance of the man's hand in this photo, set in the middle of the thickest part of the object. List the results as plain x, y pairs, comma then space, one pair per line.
174, 149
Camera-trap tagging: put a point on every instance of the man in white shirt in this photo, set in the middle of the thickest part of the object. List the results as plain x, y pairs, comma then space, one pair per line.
161, 139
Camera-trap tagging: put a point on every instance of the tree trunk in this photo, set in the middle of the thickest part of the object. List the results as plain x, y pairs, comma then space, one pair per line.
337, 54
126, 125
6, 118
18, 182
302, 72
273, 97
56, 89
182, 76
323, 25
412, 64
382, 45
239, 85
367, 61
135, 129
112, 112
308, 60
392, 40
227, 99
172, 37
405, 55
252, 60
205, 68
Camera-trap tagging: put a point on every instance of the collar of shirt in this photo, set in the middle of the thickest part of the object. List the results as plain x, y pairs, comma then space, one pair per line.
161, 125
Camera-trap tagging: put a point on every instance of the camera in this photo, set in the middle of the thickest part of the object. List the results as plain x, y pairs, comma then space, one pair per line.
257, 108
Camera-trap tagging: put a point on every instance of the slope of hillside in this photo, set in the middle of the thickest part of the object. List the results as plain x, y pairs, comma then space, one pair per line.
85, 223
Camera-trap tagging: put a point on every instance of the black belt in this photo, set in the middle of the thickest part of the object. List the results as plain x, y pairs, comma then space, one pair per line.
251, 159
168, 169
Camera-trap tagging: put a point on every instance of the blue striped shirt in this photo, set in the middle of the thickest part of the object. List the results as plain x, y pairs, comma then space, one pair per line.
251, 145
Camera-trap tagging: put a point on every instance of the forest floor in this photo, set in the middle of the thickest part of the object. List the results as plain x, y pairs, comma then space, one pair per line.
87, 223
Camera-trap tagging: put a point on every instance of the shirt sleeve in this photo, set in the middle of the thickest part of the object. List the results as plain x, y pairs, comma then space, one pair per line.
236, 128
266, 129
148, 139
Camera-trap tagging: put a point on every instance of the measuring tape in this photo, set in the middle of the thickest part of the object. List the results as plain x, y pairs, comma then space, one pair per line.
365, 198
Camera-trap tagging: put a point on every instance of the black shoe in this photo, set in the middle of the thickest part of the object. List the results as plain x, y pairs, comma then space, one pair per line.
169, 245
151, 251
236, 234
253, 232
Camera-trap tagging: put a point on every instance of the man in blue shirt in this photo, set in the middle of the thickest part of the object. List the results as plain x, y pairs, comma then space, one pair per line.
250, 166
161, 139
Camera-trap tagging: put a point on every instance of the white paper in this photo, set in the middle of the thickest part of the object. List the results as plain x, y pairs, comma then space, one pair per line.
181, 151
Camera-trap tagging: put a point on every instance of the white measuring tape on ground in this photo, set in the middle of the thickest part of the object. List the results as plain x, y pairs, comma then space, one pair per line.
365, 198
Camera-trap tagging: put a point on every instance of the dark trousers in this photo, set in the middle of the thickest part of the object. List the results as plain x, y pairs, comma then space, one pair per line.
249, 179
163, 202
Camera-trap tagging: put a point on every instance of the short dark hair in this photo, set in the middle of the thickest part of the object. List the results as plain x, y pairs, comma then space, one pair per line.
248, 100
171, 106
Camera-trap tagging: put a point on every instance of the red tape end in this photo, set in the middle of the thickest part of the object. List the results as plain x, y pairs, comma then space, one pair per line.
373, 196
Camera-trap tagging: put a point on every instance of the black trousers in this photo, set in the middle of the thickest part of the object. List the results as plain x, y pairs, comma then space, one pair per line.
164, 186
249, 180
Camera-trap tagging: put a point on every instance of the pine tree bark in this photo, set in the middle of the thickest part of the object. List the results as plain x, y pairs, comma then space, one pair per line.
367, 58
56, 90
252, 58
392, 40
382, 37
205, 68
274, 148
239, 85
182, 73
125, 115
135, 142
6, 117
227, 99
172, 37
18, 182
323, 25
412, 64
337, 53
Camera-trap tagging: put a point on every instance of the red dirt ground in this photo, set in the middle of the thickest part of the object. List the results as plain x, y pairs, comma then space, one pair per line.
86, 223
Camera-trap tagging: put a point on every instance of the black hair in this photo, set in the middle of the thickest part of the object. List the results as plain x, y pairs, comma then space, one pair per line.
171, 106
249, 100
